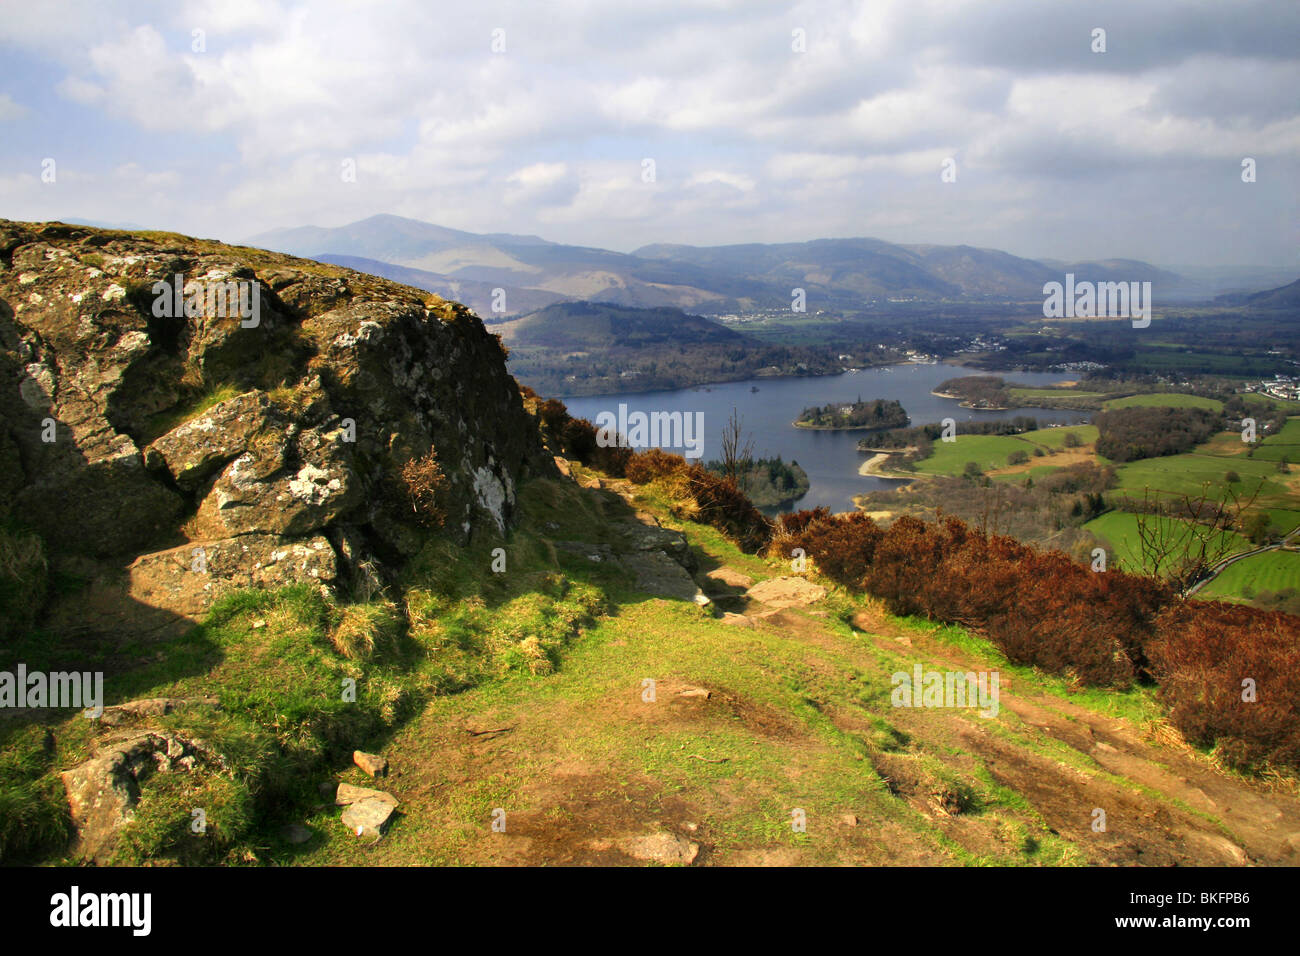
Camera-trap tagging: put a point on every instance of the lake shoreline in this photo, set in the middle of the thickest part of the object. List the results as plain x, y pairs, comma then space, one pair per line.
873, 468
965, 403
831, 458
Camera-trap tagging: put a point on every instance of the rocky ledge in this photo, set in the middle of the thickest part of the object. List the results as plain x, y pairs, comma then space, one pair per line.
167, 444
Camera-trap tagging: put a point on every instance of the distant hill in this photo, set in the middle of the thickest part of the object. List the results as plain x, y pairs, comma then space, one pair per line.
604, 325
522, 262
836, 274
835, 269
1286, 297
479, 296
600, 348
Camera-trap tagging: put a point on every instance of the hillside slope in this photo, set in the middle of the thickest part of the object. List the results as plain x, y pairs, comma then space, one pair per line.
768, 709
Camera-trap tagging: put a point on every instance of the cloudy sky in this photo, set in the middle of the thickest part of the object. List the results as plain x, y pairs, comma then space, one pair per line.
252, 121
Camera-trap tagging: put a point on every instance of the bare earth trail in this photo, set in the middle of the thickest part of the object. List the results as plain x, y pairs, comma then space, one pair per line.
761, 723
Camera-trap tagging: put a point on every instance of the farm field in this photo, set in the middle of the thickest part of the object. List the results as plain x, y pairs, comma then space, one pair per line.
1073, 396
1255, 398
990, 452
1192, 473
1273, 571
1284, 443
1055, 437
1165, 400
1119, 530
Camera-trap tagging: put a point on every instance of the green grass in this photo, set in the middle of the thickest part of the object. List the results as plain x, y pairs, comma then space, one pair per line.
815, 745
1056, 397
1165, 400
1190, 474
1055, 437
990, 452
281, 663
1284, 443
1287, 406
1271, 571
1120, 530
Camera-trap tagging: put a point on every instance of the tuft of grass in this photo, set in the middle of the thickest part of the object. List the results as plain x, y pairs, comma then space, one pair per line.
24, 579
210, 395
165, 824
361, 629
33, 810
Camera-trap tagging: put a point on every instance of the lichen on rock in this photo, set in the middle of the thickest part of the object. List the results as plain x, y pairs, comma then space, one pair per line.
133, 434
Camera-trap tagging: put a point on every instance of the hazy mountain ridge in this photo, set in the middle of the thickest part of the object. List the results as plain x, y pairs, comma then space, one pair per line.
835, 273
584, 325
1285, 297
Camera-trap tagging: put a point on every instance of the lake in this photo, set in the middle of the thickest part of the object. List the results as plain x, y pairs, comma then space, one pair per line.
831, 458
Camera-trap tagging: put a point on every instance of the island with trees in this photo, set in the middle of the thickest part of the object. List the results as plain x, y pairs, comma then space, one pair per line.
880, 413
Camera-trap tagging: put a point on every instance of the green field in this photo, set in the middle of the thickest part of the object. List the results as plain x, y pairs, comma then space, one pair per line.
1255, 398
989, 451
1285, 443
1055, 437
1177, 475
1069, 396
1165, 400
1119, 530
1273, 571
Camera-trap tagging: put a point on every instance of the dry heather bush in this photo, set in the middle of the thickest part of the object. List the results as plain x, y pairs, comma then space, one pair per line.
423, 485
1039, 608
554, 415
842, 549
1201, 657
653, 464
724, 506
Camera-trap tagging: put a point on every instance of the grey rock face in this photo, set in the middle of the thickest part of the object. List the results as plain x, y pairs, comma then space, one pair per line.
124, 432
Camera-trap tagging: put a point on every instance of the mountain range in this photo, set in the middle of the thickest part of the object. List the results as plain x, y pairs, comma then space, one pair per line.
836, 274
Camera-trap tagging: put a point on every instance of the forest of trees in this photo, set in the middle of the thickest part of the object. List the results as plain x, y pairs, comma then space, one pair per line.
769, 482
1128, 434
878, 413
977, 391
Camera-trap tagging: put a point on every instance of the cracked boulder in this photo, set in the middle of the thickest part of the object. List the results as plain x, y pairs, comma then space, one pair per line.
291, 488
187, 579
104, 790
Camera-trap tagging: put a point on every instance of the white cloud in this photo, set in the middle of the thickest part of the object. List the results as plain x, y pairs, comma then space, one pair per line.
9, 110
752, 138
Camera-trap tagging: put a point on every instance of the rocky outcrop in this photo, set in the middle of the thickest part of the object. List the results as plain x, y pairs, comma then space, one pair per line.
271, 443
659, 558
103, 791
